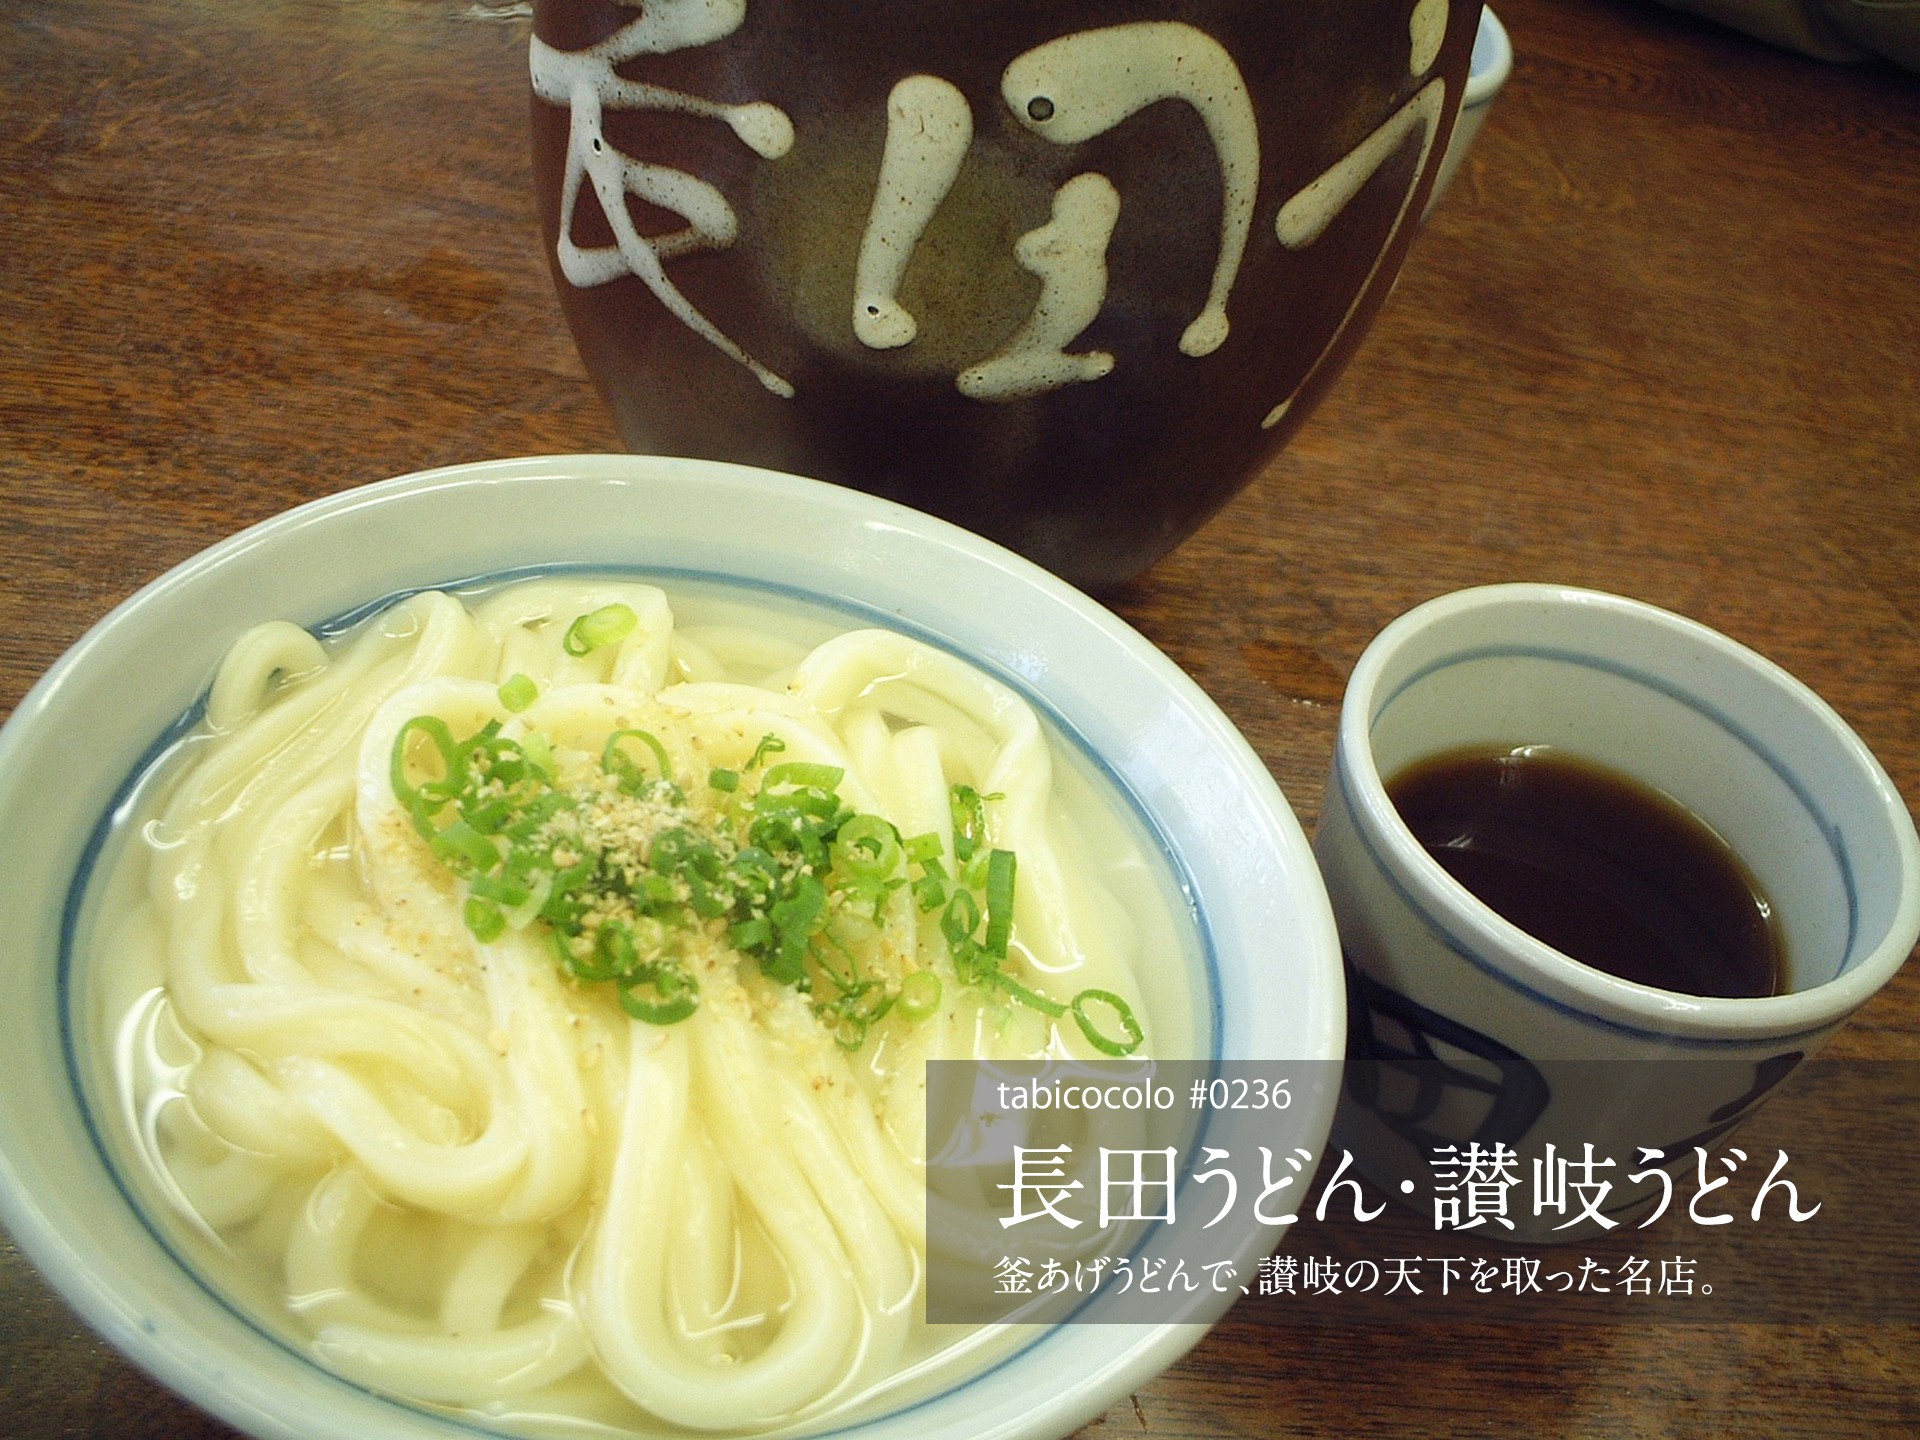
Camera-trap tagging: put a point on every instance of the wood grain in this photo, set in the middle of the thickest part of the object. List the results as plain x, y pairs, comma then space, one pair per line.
1662, 338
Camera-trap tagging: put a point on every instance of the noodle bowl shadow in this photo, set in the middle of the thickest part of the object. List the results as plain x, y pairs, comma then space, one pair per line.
1267, 985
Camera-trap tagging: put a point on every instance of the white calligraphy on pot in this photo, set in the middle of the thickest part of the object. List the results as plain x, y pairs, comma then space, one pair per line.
1067, 90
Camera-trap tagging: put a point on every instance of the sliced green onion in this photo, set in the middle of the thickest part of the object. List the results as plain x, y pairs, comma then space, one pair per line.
756, 877
919, 995
539, 888
539, 752
752, 936
422, 801
659, 994
608, 625
459, 844
1121, 1011
867, 845
1032, 999
617, 763
869, 860
517, 692
931, 892
855, 1012
508, 888
796, 877
1000, 870
485, 919
800, 913
801, 773
960, 919
969, 809
656, 890
611, 957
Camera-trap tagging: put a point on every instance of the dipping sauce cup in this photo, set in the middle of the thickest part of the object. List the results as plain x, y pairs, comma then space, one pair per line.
1464, 1028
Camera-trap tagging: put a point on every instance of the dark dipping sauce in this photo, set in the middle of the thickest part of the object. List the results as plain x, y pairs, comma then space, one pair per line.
1605, 869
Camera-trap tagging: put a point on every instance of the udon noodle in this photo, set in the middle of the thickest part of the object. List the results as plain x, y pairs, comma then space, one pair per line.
645, 1143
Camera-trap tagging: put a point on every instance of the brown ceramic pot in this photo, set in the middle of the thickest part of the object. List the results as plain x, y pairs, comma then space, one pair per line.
1064, 271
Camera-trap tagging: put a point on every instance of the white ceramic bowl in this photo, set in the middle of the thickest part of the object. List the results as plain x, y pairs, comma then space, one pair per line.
1274, 982
1492, 62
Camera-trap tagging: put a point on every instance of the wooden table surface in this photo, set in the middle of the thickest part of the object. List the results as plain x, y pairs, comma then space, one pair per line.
1662, 338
